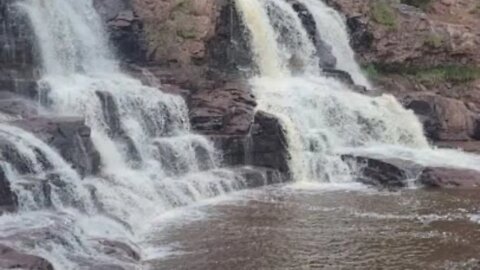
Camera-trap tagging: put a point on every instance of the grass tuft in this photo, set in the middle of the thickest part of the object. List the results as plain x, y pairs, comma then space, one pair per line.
383, 13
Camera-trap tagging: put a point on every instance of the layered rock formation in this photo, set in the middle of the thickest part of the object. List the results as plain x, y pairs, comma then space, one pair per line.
425, 53
199, 49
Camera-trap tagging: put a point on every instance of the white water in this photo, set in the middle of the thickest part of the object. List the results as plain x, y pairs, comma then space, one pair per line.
151, 161
322, 116
332, 29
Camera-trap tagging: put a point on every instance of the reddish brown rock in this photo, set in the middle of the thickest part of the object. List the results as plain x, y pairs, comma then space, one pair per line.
449, 178
444, 119
438, 35
228, 110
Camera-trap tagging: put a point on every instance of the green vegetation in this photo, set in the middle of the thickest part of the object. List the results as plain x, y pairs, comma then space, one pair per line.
456, 74
422, 4
371, 71
187, 33
434, 40
476, 9
383, 13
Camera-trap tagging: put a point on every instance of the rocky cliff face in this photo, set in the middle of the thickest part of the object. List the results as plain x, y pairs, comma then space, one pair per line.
199, 49
425, 53
194, 48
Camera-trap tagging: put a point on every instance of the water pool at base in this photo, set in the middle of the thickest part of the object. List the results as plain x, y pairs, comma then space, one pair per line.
322, 227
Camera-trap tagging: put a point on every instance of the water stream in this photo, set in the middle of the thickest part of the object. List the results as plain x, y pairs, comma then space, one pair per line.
152, 163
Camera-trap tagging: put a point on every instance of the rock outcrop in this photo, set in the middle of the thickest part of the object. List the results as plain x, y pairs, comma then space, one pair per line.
425, 54
394, 173
244, 136
8, 199
444, 119
70, 136
389, 32
18, 53
449, 178
12, 259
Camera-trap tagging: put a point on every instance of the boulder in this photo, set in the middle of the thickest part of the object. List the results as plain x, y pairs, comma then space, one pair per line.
264, 146
380, 173
12, 259
443, 118
269, 146
392, 173
449, 178
70, 136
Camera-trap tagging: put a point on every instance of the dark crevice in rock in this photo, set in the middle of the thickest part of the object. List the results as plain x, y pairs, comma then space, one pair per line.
229, 52
115, 129
324, 50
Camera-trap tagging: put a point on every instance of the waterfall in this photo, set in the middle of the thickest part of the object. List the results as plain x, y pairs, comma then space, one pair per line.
323, 117
151, 161
334, 31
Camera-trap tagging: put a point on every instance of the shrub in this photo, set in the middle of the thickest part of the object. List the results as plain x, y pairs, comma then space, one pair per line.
383, 13
434, 40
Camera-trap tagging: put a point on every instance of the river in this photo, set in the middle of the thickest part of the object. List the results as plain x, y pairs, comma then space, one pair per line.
305, 226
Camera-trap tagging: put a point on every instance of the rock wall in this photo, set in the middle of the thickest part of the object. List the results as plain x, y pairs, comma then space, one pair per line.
426, 55
18, 54
199, 49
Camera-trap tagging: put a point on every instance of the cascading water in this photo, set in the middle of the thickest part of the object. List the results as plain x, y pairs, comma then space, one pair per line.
151, 162
322, 116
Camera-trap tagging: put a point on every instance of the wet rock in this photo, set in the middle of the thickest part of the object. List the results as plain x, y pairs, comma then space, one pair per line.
119, 250
18, 54
324, 51
443, 118
340, 75
258, 177
269, 144
115, 129
449, 178
360, 37
12, 259
264, 146
227, 110
125, 29
70, 136
8, 199
17, 106
11, 155
126, 32
228, 51
377, 172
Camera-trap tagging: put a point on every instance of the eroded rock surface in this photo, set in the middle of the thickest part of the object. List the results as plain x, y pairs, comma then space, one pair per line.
393, 173
12, 259
70, 136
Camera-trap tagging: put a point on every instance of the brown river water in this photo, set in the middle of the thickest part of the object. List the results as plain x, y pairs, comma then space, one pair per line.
322, 227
